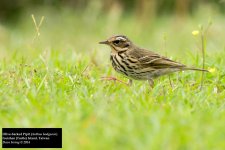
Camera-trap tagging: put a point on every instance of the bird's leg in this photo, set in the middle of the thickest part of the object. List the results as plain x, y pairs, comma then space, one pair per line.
130, 82
151, 83
115, 79
170, 82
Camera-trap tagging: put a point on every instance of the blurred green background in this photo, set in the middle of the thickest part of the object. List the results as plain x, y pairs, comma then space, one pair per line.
80, 24
145, 8
54, 79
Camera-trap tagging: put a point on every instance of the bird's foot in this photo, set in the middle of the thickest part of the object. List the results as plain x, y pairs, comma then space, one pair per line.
118, 80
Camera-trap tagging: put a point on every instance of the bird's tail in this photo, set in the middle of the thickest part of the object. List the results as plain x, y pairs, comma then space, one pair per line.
195, 69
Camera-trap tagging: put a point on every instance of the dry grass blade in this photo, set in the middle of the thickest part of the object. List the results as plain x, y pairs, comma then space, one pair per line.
37, 27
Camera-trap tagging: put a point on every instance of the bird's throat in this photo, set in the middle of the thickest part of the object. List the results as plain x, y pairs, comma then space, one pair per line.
117, 50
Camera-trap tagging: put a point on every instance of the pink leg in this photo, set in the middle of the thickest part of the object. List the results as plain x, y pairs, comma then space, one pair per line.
115, 79
151, 83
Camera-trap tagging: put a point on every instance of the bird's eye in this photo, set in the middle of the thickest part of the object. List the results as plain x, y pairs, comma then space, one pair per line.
116, 42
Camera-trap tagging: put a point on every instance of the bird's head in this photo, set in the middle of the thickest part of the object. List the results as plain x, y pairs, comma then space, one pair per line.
118, 43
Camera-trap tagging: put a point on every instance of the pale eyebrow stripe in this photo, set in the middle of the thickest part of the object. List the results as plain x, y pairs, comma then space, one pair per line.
121, 38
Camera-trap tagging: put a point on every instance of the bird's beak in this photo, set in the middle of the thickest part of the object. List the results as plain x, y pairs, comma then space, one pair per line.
104, 42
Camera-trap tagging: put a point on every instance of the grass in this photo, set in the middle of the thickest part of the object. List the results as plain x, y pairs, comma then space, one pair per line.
55, 81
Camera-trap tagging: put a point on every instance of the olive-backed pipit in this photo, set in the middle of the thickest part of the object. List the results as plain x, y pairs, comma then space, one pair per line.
138, 63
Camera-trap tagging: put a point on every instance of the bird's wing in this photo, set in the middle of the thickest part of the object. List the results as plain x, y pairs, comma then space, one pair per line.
150, 59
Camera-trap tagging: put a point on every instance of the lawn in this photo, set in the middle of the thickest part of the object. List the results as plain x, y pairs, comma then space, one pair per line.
54, 80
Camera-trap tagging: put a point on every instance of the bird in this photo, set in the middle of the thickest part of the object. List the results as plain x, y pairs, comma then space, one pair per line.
138, 63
